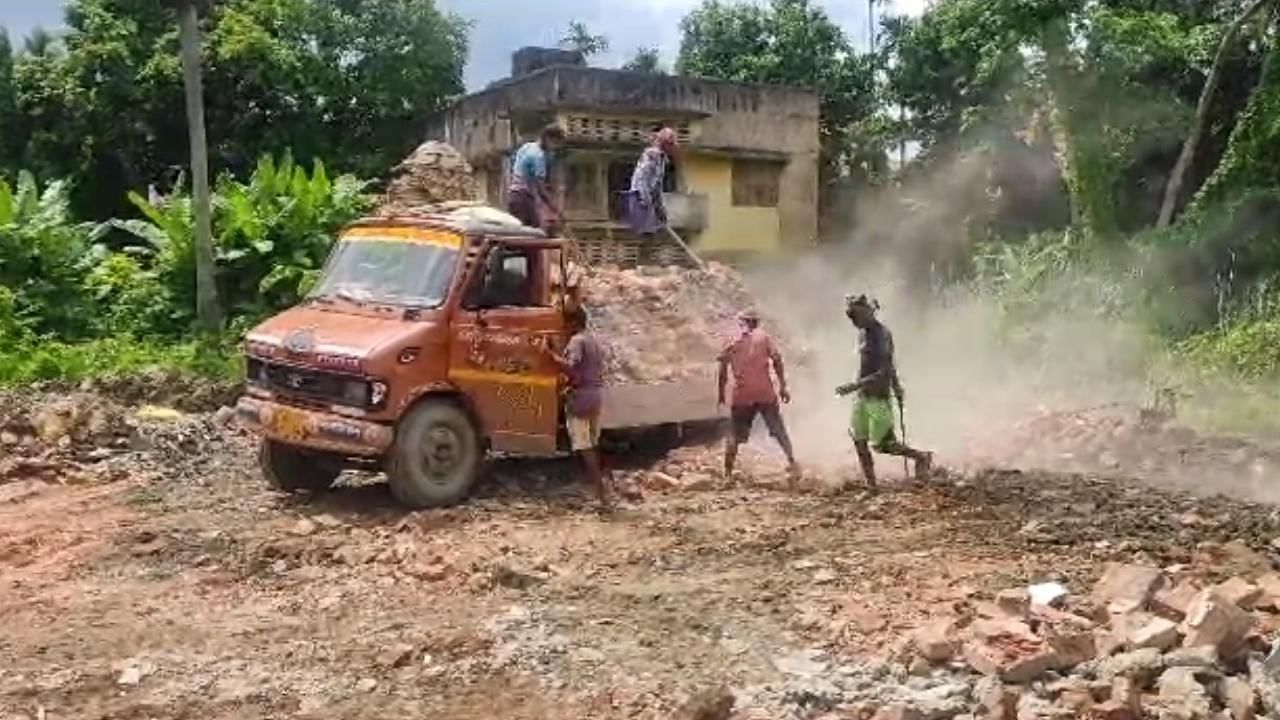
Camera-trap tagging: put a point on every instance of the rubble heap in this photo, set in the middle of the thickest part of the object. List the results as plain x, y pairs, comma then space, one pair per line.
1116, 440
1145, 643
662, 324
434, 173
80, 437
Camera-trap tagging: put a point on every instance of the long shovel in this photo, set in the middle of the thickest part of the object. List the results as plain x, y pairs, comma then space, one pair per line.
902, 425
697, 261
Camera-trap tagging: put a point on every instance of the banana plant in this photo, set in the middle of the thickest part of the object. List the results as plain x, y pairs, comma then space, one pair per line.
44, 256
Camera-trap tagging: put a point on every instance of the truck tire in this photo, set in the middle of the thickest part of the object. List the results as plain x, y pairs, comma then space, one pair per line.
291, 469
436, 456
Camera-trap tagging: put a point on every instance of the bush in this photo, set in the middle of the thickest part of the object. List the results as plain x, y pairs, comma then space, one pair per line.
72, 308
116, 356
44, 258
271, 236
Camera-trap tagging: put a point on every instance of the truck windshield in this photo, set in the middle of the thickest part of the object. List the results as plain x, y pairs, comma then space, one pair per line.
396, 269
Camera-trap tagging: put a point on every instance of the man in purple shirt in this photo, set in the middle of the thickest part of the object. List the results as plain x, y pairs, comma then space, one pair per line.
583, 362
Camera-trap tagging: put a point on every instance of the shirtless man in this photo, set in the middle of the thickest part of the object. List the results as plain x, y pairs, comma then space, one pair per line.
872, 422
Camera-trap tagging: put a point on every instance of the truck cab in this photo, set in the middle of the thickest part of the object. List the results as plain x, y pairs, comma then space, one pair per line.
420, 349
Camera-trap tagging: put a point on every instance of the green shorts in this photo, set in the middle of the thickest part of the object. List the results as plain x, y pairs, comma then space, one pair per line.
872, 420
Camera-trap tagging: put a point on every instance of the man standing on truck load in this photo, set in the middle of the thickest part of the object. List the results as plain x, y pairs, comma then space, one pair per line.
872, 422
748, 358
530, 186
583, 362
646, 210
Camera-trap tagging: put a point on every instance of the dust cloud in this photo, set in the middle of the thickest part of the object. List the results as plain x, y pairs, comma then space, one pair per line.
965, 383
962, 384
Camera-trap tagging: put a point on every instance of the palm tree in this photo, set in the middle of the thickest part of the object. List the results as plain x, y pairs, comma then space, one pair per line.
39, 43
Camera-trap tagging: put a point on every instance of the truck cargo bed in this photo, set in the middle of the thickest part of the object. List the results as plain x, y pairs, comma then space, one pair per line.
648, 404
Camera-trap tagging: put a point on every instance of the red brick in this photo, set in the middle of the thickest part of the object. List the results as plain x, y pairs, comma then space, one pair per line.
1270, 584
1128, 587
1010, 658
1172, 602
1159, 633
1214, 621
1239, 592
936, 642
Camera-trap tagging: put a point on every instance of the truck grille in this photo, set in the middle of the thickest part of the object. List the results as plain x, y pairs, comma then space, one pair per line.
309, 384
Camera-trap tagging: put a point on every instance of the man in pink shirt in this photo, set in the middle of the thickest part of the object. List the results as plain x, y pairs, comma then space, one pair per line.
749, 358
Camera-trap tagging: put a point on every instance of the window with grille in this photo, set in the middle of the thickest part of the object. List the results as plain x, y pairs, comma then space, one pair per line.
582, 187
605, 129
755, 183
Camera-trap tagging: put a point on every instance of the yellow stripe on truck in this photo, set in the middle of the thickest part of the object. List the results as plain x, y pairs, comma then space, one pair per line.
405, 234
465, 375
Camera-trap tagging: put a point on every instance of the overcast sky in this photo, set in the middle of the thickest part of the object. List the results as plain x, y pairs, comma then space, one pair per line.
500, 26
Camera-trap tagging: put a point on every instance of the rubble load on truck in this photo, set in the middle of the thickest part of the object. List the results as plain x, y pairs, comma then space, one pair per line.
663, 324
1145, 642
432, 175
659, 324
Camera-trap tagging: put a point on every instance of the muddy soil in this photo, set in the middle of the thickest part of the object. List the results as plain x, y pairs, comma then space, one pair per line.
157, 577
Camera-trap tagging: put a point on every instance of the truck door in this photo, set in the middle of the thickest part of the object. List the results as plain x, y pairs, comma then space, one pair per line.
494, 356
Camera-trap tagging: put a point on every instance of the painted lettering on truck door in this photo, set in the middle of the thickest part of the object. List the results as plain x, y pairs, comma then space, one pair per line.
495, 355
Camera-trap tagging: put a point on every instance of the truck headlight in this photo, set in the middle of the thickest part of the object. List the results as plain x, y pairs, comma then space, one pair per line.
355, 392
255, 371
377, 393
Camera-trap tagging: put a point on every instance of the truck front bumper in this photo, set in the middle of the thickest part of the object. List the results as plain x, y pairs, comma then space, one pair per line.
312, 429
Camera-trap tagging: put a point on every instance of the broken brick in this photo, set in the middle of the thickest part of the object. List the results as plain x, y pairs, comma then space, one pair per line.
994, 627
1239, 592
1015, 603
997, 701
1077, 700
1158, 633
936, 641
1011, 658
1125, 690
1237, 695
1054, 616
1071, 647
1127, 587
1270, 585
1172, 602
1182, 696
1214, 621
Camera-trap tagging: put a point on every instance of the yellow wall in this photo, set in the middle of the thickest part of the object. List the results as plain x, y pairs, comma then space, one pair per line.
728, 227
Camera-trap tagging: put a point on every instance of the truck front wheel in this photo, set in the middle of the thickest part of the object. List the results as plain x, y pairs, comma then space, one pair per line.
436, 456
291, 469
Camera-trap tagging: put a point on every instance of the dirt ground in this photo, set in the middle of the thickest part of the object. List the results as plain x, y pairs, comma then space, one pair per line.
154, 576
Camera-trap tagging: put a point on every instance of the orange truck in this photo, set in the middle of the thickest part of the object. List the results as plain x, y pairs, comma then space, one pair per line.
420, 350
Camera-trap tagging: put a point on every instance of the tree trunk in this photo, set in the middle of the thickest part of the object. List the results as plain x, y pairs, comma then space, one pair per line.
208, 311
1174, 187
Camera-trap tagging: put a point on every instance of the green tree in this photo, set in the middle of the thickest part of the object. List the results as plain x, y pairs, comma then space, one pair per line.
646, 60
788, 42
578, 37
1111, 85
10, 140
350, 80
